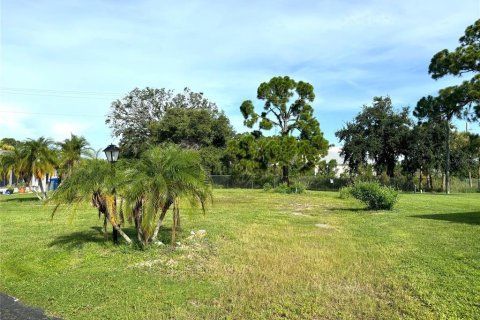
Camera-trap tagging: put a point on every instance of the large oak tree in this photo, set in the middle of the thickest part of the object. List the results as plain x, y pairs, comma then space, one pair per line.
149, 116
377, 133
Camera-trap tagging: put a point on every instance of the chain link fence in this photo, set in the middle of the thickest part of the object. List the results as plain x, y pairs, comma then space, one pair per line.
320, 183
310, 182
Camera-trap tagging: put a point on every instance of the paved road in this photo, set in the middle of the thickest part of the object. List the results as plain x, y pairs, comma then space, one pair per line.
12, 309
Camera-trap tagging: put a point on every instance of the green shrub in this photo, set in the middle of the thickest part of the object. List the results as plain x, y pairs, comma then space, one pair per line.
282, 188
345, 192
375, 196
296, 187
267, 186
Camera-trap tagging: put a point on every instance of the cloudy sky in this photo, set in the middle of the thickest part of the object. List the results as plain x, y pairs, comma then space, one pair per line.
64, 62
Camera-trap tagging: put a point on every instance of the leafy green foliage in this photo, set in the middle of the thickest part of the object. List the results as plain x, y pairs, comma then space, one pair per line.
149, 186
90, 177
37, 159
287, 109
159, 180
71, 152
460, 99
12, 161
267, 186
192, 128
425, 148
378, 133
345, 192
296, 187
465, 155
375, 196
155, 116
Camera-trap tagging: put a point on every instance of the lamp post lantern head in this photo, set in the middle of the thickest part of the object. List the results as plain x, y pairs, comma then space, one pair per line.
111, 152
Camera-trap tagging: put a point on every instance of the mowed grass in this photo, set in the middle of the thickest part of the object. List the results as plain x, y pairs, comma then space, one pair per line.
265, 256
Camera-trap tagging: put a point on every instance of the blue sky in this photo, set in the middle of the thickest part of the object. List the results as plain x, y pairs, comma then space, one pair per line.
64, 62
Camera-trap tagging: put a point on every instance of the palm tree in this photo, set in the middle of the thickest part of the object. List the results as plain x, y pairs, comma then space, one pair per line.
159, 180
93, 180
39, 159
72, 151
10, 162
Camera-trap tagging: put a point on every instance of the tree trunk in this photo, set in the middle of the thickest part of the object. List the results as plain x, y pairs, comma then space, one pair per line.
177, 219
420, 181
447, 160
42, 190
105, 235
470, 178
119, 230
391, 172
165, 208
138, 225
174, 222
99, 202
444, 187
285, 178
122, 216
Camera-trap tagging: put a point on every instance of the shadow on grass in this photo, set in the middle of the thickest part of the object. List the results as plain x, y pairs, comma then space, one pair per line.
22, 199
349, 209
80, 238
165, 235
457, 217
95, 235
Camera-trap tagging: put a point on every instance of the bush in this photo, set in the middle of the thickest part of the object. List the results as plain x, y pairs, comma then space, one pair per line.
296, 187
376, 197
345, 193
267, 186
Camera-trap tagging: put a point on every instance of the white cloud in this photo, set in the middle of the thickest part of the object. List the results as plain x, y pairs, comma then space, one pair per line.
14, 122
62, 130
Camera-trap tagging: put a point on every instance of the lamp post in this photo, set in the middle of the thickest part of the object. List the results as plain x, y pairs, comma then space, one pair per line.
111, 152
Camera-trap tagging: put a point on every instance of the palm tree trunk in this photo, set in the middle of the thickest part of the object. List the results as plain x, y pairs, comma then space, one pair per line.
119, 230
105, 235
165, 208
99, 202
174, 222
42, 191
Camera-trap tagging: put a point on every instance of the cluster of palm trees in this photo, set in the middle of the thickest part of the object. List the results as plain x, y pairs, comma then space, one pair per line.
138, 191
38, 157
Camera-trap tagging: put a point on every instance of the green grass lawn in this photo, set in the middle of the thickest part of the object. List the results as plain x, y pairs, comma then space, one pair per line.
265, 256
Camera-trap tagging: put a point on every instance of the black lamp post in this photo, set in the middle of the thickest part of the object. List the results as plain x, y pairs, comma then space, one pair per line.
111, 152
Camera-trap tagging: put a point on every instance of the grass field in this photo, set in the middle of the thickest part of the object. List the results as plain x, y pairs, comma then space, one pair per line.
265, 256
